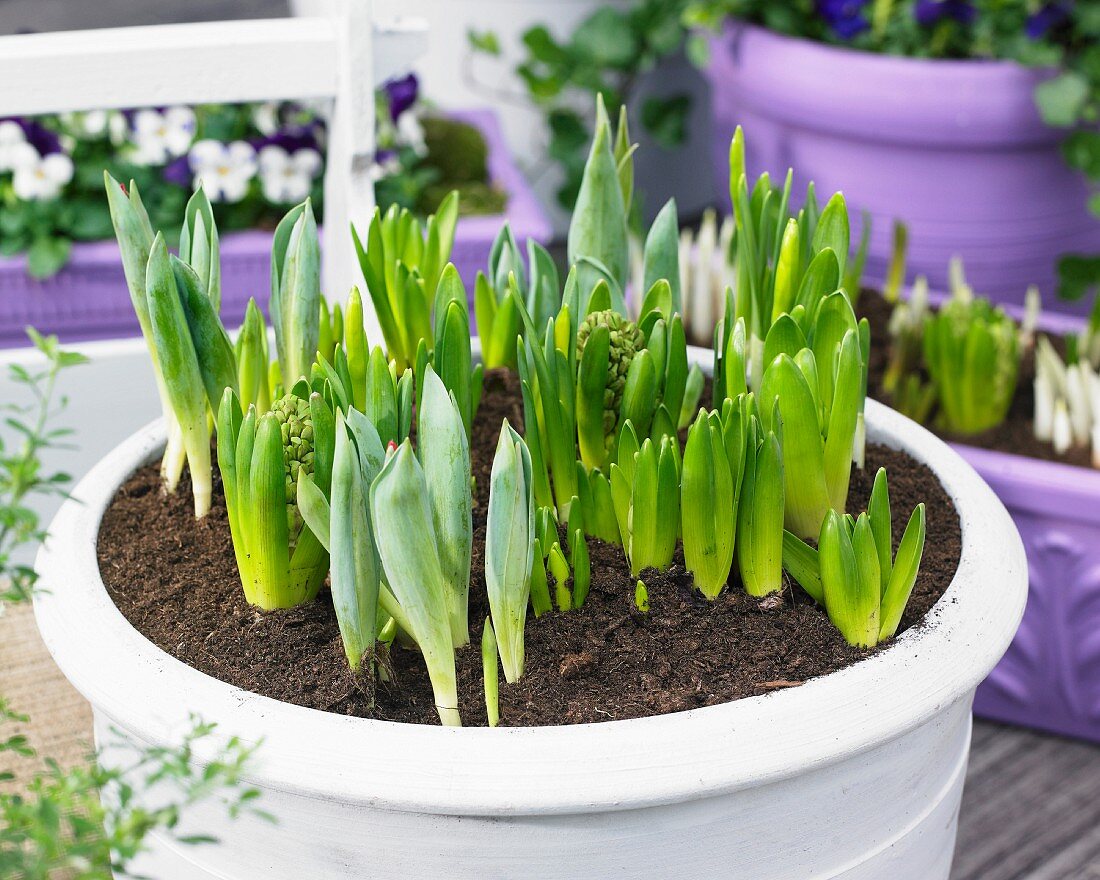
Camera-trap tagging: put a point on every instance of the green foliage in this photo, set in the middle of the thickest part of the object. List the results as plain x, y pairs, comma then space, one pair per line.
972, 355
402, 261
1061, 37
509, 547
854, 572
22, 477
89, 822
605, 55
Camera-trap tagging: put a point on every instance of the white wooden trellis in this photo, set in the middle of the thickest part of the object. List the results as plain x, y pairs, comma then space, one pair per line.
333, 50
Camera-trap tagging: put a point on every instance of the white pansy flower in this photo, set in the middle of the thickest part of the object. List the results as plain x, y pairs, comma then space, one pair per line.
223, 170
288, 177
160, 137
11, 139
410, 132
88, 124
118, 129
38, 177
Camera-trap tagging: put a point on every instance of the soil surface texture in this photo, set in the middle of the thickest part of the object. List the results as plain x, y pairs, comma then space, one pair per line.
176, 581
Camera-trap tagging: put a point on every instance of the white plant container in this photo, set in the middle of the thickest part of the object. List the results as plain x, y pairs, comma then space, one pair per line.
855, 775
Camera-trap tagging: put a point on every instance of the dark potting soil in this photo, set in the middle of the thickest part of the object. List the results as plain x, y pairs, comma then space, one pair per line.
1015, 434
176, 581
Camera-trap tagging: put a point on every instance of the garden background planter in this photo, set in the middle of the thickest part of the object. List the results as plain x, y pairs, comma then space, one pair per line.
956, 149
879, 748
1050, 677
88, 299
451, 76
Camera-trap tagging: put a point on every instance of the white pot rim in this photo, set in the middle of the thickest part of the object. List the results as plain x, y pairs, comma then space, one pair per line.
564, 769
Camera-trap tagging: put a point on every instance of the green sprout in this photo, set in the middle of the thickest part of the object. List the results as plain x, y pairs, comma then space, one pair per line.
408, 547
598, 242
402, 263
760, 512
490, 660
262, 459
645, 488
855, 574
295, 302
812, 395
510, 547
709, 492
972, 354
498, 321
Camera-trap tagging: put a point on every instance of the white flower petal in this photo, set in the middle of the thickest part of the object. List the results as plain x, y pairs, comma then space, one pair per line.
11, 133
23, 155
242, 155
273, 158
205, 154
307, 161
58, 169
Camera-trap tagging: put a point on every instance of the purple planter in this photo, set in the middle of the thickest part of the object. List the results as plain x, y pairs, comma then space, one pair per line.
956, 149
1050, 677
88, 298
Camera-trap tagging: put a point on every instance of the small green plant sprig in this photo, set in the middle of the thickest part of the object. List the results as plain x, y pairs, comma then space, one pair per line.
22, 476
90, 821
855, 574
782, 261
402, 261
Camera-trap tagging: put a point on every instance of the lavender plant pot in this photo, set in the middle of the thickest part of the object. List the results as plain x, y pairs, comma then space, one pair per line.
956, 149
1050, 677
88, 298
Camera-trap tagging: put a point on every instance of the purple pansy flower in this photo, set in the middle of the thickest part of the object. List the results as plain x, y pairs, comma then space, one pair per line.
402, 94
930, 12
292, 138
178, 171
1039, 24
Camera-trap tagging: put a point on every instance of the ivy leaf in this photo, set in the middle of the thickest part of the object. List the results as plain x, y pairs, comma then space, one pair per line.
486, 42
1078, 275
543, 47
1061, 100
606, 39
666, 119
46, 256
1082, 151
568, 135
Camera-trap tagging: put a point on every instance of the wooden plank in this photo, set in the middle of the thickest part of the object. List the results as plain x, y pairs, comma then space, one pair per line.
210, 62
24, 16
187, 63
1030, 810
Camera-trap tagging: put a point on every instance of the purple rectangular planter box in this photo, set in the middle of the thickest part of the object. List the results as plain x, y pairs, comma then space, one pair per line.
88, 298
956, 149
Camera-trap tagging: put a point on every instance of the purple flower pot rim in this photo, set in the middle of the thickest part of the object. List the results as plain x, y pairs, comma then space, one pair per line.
936, 102
856, 55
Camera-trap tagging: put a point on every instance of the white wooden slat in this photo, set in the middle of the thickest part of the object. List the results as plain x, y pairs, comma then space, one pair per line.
168, 64
213, 62
335, 51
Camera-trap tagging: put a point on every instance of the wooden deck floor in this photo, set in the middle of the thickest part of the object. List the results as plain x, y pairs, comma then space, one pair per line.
1031, 808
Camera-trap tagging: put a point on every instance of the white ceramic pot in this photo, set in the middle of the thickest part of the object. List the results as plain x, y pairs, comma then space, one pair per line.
855, 775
